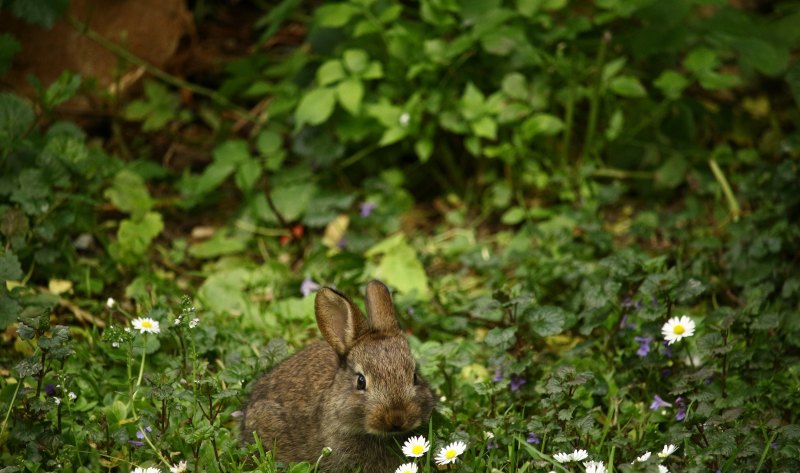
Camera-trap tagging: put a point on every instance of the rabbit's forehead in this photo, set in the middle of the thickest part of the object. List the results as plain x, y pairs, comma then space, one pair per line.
383, 357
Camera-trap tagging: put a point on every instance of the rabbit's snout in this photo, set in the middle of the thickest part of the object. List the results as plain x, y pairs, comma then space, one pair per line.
397, 418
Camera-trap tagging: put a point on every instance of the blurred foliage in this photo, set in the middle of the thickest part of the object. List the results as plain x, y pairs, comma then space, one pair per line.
542, 183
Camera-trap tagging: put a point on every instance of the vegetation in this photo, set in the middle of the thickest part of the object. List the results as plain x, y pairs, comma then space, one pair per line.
544, 184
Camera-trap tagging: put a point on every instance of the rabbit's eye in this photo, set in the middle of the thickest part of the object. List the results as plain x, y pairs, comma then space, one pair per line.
416, 379
361, 382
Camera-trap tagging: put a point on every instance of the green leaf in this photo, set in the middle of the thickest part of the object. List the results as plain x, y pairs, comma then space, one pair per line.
767, 58
10, 268
330, 71
393, 135
356, 60
247, 174
513, 216
233, 152
485, 127
335, 15
611, 69
541, 124
472, 102
627, 86
350, 93
399, 266
221, 243
40, 12
291, 200
315, 107
514, 85
224, 291
424, 149
615, 125
61, 90
9, 47
16, 117
134, 237
546, 320
129, 193
701, 60
671, 84
268, 142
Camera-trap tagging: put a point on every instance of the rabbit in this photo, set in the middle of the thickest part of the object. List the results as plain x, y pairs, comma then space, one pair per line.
357, 392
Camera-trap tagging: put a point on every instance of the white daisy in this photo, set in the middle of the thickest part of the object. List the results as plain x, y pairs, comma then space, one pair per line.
146, 325
415, 447
662, 469
667, 451
179, 468
149, 469
579, 455
406, 468
677, 328
450, 453
642, 458
594, 467
562, 457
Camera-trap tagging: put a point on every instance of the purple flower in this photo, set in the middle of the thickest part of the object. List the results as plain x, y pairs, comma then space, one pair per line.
644, 345
681, 414
627, 302
658, 402
50, 389
517, 382
498, 375
367, 208
140, 433
491, 444
666, 351
136, 443
308, 286
532, 438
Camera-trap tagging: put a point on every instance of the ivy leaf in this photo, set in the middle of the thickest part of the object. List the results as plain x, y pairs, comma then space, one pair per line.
315, 107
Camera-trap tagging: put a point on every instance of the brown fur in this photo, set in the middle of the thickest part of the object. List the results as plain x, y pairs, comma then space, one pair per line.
311, 400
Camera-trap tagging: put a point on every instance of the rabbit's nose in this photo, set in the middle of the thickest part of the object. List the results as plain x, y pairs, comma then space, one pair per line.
395, 420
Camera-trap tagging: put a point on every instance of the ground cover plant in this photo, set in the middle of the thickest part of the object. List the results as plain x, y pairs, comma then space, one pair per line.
588, 213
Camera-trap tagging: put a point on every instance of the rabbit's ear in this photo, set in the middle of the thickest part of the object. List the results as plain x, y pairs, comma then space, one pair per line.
380, 309
339, 320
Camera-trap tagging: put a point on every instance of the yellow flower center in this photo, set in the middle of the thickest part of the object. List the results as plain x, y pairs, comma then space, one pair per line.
678, 329
147, 324
417, 449
450, 454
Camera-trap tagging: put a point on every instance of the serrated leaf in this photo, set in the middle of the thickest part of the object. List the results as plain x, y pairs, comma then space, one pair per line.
315, 107
129, 193
16, 117
10, 268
